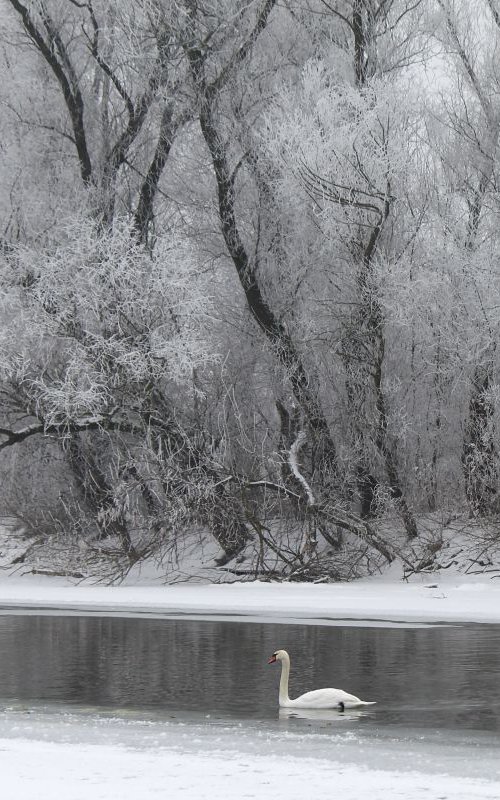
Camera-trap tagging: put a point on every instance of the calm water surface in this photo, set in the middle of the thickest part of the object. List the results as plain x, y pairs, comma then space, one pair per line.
434, 678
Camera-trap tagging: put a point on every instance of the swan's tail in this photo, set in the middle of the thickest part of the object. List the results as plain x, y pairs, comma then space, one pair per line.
360, 703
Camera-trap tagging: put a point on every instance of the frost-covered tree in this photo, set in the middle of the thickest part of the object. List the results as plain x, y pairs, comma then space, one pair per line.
101, 345
112, 68
339, 141
468, 146
249, 267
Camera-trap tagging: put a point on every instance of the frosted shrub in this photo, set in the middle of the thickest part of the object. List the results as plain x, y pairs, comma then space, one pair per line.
99, 352
109, 317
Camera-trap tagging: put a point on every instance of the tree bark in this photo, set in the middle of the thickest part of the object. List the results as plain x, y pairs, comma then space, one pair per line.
267, 321
98, 493
479, 456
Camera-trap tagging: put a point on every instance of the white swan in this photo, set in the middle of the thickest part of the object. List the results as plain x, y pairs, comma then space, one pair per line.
319, 698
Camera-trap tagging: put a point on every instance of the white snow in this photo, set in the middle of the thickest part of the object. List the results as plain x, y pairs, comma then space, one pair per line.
438, 598
55, 756
46, 770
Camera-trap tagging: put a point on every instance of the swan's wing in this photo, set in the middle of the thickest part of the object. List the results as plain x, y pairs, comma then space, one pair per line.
325, 698
328, 698
350, 700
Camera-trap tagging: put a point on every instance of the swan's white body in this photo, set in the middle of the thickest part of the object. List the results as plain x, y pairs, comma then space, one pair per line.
319, 698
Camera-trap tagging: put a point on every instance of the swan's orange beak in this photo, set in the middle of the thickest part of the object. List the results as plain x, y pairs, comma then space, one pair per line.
272, 660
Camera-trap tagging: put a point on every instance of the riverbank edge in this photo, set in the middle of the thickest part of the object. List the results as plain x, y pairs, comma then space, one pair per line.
443, 599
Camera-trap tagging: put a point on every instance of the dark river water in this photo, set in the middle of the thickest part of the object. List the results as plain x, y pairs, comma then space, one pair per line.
430, 677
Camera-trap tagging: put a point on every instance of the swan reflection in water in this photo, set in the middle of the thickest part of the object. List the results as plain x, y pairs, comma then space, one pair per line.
323, 714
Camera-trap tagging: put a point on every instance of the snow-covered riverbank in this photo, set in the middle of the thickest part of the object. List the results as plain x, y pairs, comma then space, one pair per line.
440, 598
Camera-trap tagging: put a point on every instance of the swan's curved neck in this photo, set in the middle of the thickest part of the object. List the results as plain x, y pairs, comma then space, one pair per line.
285, 674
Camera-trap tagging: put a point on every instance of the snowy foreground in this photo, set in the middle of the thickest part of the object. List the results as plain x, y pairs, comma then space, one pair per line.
47, 753
46, 770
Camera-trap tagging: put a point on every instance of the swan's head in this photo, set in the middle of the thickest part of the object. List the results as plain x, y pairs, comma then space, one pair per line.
279, 655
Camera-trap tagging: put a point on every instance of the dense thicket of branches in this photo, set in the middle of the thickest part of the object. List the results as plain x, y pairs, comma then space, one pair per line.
249, 273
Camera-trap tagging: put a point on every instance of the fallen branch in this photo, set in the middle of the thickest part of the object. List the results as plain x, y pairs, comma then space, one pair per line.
55, 574
359, 527
344, 519
63, 429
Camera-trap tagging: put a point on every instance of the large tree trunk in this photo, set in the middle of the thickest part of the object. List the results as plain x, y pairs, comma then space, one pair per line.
281, 342
479, 456
364, 354
98, 493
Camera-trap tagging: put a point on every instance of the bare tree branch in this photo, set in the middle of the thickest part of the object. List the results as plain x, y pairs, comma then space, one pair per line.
65, 76
462, 54
94, 49
240, 55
